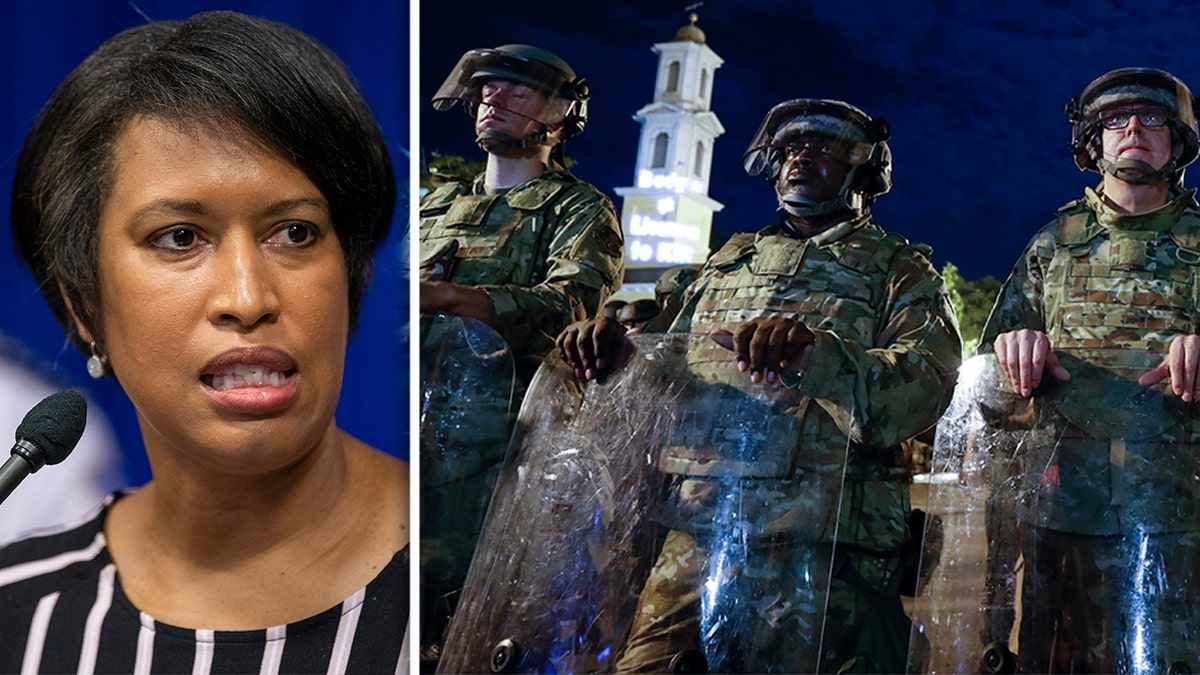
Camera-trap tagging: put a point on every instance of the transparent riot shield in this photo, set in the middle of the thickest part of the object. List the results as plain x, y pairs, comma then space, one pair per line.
1072, 524
657, 521
467, 414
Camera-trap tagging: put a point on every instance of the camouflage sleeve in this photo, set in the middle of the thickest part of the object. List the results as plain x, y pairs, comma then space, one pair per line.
681, 321
1020, 301
882, 394
585, 263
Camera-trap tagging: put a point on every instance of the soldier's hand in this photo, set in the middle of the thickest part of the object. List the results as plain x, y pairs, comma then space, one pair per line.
594, 348
443, 297
1181, 364
1025, 356
767, 346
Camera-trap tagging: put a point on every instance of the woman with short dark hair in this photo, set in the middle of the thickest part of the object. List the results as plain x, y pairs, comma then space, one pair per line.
200, 202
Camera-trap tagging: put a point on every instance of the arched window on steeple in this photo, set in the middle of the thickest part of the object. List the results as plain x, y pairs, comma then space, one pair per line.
703, 83
698, 169
673, 76
660, 152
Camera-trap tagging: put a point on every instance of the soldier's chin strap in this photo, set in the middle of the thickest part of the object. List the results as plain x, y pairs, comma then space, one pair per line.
498, 142
1137, 172
802, 207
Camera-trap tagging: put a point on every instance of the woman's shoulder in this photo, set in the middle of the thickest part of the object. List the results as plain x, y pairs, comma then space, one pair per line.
78, 540
59, 565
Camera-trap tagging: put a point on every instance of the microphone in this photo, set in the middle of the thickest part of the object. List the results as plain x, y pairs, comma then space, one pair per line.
46, 435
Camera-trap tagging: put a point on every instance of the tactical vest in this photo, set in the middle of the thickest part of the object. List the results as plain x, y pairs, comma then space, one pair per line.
1121, 288
1114, 298
484, 240
838, 287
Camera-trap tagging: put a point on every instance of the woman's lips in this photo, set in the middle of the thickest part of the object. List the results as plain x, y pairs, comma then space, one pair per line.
245, 376
253, 381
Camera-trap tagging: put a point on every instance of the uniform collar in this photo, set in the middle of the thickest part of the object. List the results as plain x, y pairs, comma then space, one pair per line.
480, 190
1161, 219
827, 236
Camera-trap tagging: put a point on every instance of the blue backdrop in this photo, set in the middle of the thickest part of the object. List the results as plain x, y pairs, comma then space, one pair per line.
41, 41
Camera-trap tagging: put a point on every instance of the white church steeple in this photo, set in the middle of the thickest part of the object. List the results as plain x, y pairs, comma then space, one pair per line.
667, 215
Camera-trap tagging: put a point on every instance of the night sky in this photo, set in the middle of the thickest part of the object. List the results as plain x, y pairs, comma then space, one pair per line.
974, 93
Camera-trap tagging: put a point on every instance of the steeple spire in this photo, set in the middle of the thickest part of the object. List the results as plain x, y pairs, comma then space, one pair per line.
667, 214
691, 32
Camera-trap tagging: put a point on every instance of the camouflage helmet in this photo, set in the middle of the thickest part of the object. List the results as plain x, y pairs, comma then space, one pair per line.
1125, 86
858, 139
637, 312
675, 278
534, 67
611, 308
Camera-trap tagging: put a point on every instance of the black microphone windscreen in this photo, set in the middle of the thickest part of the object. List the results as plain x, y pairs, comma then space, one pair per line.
55, 424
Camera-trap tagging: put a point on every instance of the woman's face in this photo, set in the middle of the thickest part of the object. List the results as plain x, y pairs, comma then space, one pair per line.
223, 298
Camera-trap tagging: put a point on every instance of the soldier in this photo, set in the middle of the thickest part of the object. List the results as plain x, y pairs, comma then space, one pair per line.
525, 248
635, 315
668, 294
1110, 281
670, 284
612, 307
847, 317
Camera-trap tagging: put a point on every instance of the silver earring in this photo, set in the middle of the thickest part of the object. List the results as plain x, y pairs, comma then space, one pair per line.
95, 363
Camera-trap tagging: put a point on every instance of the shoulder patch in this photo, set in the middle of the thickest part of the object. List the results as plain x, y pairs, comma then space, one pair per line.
610, 242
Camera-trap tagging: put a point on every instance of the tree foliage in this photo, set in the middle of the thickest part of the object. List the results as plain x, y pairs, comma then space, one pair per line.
972, 302
439, 164
455, 166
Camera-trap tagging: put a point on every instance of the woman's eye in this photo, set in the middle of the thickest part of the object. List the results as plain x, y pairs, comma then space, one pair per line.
176, 238
295, 234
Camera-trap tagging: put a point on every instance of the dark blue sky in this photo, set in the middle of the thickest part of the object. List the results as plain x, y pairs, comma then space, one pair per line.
974, 92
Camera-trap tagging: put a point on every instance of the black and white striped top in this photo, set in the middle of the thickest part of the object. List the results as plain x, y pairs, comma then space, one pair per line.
62, 610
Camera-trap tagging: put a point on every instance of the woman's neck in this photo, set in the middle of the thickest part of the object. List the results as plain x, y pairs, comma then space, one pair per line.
192, 547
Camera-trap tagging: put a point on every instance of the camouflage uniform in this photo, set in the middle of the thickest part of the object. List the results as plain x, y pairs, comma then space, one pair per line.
547, 252
886, 349
1107, 287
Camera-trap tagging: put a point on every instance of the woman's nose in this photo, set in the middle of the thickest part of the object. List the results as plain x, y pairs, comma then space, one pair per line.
244, 292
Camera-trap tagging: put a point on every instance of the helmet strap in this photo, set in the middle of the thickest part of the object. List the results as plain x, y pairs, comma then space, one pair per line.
498, 142
845, 200
1145, 174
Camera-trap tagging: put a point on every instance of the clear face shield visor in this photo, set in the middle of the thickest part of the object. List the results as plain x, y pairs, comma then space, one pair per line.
814, 133
476, 68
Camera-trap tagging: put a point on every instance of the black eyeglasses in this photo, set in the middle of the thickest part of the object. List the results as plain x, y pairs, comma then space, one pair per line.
1147, 117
